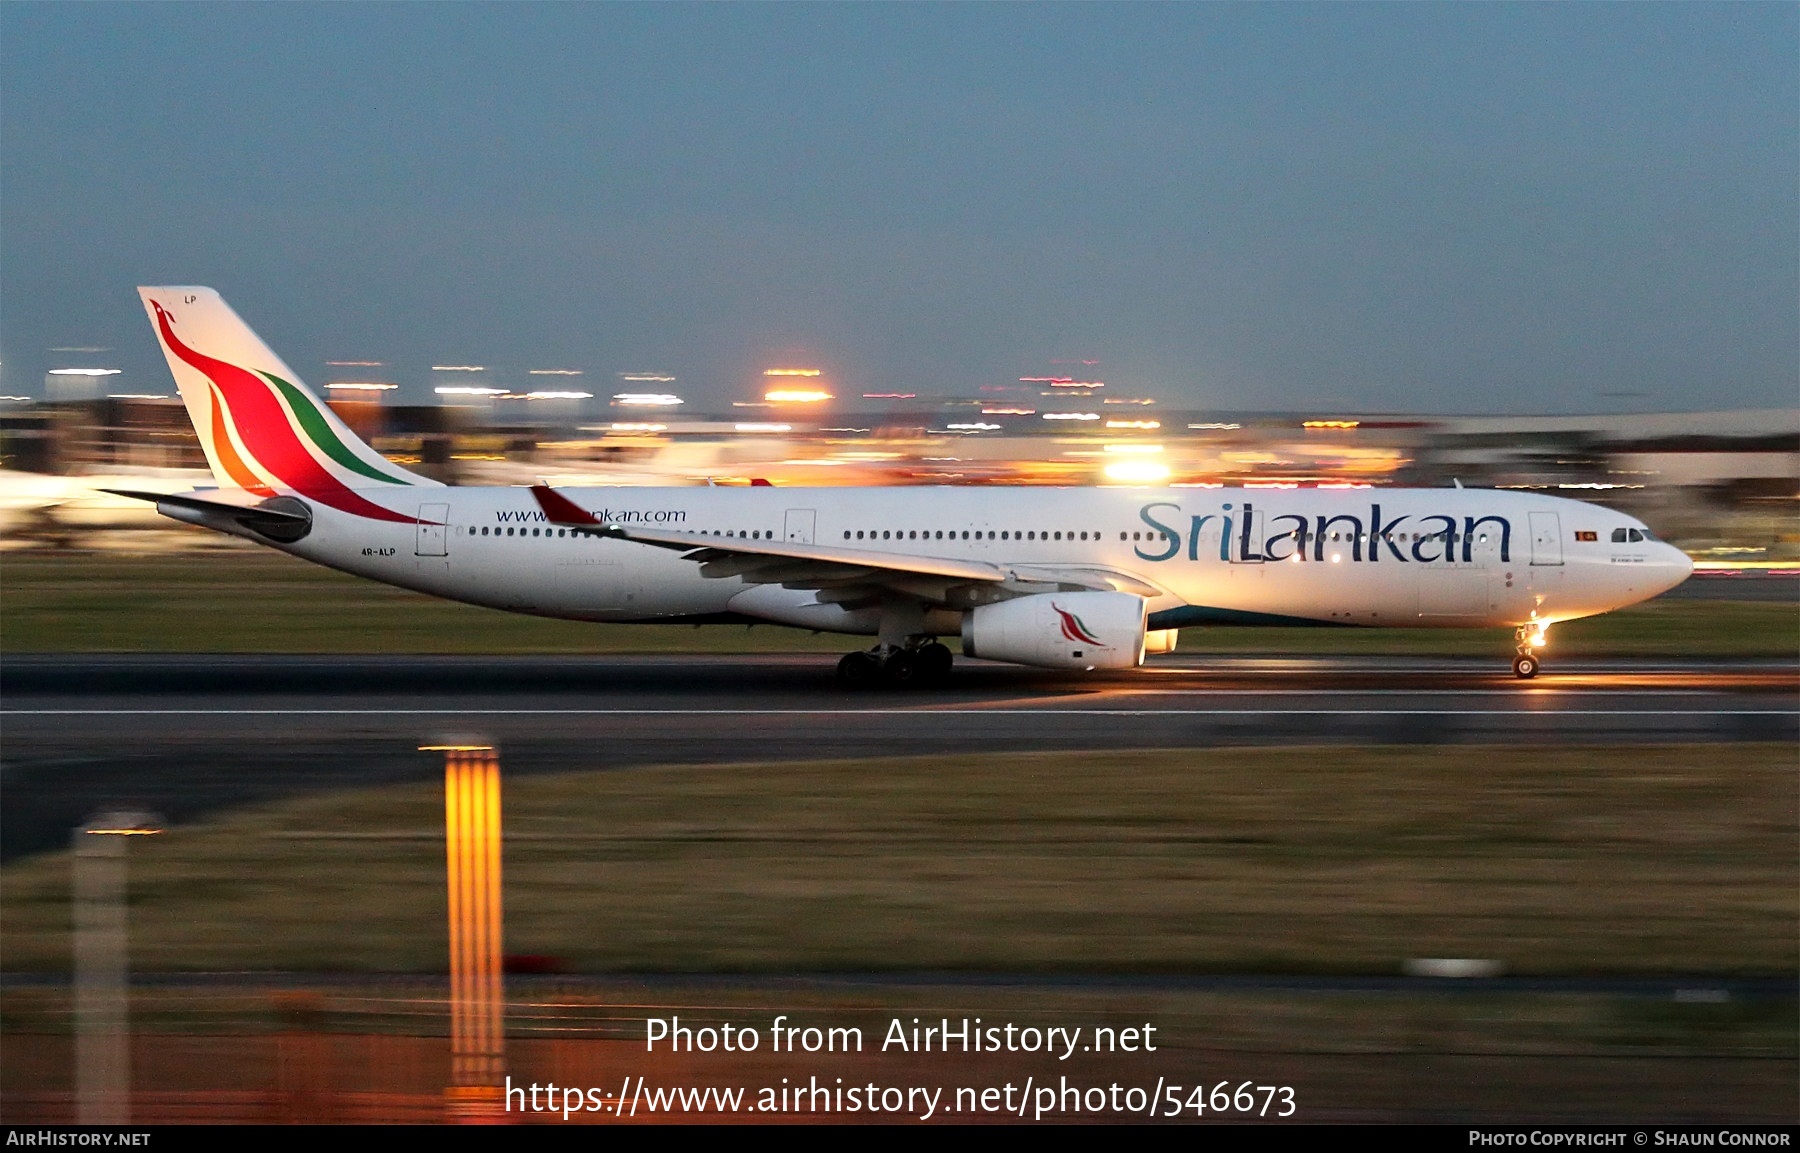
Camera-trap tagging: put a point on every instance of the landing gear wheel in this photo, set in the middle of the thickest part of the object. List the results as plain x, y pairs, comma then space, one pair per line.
858, 670
934, 663
1525, 666
902, 668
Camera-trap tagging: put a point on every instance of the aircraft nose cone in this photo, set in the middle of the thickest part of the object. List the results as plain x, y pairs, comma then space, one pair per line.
1676, 567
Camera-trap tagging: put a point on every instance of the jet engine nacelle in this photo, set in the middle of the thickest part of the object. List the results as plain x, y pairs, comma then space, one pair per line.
1087, 630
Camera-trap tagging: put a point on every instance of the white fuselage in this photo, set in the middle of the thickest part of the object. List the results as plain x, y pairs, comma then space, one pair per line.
1381, 557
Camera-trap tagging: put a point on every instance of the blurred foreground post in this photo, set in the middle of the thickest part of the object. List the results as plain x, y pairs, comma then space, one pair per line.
102, 1036
477, 1000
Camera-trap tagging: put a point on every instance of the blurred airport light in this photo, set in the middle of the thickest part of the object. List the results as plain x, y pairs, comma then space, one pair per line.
1458, 967
102, 1021
65, 384
472, 831
1136, 472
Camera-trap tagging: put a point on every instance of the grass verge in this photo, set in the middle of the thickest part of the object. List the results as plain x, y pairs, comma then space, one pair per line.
1575, 861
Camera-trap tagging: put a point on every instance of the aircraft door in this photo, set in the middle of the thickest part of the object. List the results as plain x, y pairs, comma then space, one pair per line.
434, 521
1546, 538
799, 527
1247, 541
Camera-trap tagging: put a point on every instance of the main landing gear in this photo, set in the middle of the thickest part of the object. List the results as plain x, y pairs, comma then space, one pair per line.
912, 665
1529, 639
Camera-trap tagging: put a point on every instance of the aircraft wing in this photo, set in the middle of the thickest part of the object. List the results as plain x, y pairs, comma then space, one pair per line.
847, 572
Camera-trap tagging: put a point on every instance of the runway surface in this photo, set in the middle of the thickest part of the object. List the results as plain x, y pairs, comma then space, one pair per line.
182, 735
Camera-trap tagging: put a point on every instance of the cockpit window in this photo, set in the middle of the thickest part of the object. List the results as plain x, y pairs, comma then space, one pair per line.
1618, 536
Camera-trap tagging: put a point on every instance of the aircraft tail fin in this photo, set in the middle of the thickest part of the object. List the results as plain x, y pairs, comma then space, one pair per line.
262, 429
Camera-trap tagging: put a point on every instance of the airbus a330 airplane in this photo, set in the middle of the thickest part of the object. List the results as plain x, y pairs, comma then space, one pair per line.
1076, 579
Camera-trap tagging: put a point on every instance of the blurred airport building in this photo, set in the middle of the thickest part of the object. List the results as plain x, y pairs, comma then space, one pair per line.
1724, 485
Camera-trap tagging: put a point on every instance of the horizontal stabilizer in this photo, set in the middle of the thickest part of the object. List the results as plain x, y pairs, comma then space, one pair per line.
281, 519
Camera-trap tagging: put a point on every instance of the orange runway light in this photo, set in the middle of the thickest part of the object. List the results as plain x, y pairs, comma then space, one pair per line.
472, 830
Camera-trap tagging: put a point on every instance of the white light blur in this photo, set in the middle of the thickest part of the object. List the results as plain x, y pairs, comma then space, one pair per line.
796, 395
977, 426
755, 426
559, 396
1134, 424
458, 368
86, 371
468, 390
1135, 472
553, 372
134, 396
1216, 424
790, 372
361, 386
1071, 416
647, 377
646, 399
637, 426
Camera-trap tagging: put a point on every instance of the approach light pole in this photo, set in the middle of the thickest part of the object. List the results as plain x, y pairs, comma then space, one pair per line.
472, 860
102, 1016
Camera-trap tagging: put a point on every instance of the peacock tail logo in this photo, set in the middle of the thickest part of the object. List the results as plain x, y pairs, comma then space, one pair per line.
247, 412
1073, 629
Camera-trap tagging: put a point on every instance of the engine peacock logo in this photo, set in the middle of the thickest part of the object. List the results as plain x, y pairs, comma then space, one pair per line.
1073, 629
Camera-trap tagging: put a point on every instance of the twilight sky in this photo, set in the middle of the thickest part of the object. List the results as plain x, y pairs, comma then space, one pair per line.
1451, 208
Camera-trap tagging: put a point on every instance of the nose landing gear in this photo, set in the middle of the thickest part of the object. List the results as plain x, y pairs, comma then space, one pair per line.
911, 665
1529, 638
